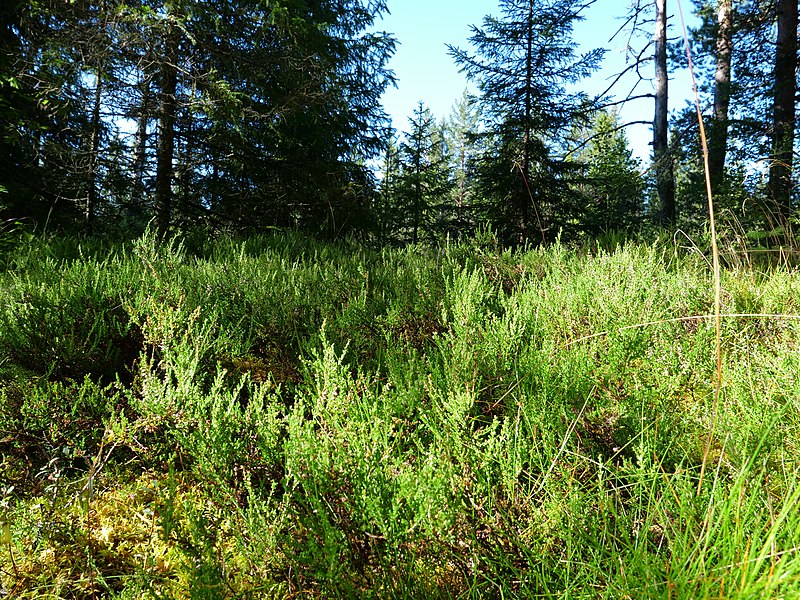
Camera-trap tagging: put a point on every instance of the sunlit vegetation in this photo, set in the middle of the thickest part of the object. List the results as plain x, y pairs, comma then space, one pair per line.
274, 417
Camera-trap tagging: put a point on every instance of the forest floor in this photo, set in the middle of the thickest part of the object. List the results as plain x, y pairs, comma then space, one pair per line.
278, 417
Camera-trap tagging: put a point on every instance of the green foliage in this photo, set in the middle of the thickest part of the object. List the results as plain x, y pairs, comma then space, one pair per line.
279, 116
67, 321
302, 418
462, 139
614, 188
524, 62
422, 182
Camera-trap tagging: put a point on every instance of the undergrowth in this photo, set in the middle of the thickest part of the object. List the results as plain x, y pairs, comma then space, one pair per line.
275, 417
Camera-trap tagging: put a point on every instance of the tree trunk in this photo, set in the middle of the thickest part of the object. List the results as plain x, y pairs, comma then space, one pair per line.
665, 180
525, 196
140, 152
186, 154
166, 137
417, 187
722, 94
780, 173
94, 159
462, 161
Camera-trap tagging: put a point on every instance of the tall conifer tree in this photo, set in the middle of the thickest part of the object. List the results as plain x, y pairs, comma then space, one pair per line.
523, 62
424, 179
613, 185
462, 135
723, 47
256, 113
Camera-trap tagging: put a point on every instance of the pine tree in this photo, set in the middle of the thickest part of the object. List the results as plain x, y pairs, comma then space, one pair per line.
736, 61
723, 47
784, 111
662, 156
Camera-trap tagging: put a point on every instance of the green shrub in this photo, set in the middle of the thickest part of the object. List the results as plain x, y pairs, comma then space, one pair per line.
67, 322
276, 416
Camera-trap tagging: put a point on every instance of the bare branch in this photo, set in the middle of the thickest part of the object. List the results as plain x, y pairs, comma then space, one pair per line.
585, 142
624, 100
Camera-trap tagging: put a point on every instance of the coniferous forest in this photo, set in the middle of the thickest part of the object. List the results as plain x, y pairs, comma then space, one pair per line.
257, 342
243, 116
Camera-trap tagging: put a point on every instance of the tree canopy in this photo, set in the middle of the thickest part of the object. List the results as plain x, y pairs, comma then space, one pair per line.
251, 115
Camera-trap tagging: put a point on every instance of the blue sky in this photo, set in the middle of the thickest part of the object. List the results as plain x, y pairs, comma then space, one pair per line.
426, 72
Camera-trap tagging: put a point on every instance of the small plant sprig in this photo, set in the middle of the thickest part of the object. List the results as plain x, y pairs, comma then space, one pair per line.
5, 525
98, 462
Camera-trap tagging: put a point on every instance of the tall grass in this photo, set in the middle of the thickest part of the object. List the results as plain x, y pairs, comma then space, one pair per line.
275, 416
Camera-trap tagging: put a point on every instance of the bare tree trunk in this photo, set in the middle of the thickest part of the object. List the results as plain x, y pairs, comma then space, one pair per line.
166, 137
780, 173
665, 179
140, 152
722, 94
94, 159
525, 196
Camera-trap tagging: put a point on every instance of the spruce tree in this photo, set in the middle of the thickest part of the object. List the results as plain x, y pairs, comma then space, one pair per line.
424, 179
386, 206
247, 113
614, 187
523, 63
463, 142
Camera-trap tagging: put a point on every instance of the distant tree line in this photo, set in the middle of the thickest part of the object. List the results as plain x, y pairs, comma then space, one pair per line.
241, 114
